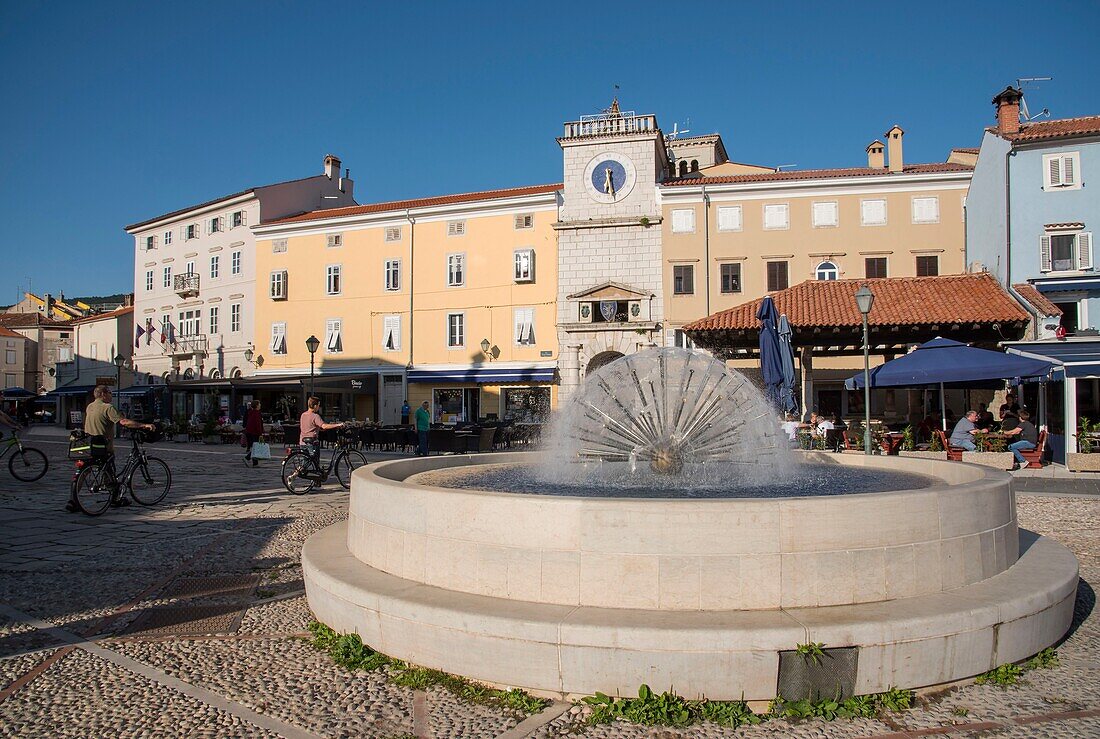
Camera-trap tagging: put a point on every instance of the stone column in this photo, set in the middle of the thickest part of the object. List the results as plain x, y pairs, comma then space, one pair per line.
570, 372
807, 365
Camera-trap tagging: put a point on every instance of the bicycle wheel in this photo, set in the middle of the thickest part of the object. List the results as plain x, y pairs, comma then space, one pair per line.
347, 463
28, 465
151, 481
293, 467
93, 491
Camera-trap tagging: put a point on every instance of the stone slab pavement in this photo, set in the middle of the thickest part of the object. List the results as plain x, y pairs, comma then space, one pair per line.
70, 586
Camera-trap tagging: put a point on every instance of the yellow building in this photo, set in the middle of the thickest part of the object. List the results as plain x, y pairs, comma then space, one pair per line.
449, 299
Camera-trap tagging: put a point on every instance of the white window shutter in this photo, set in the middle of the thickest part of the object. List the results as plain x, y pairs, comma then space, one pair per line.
1084, 250
1045, 264
518, 329
396, 331
1055, 165
1068, 174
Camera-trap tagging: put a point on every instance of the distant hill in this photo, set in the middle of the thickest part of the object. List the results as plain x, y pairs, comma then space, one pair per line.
115, 299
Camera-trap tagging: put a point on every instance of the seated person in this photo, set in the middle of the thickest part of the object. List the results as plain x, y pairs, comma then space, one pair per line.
1025, 434
790, 427
1010, 404
985, 419
963, 434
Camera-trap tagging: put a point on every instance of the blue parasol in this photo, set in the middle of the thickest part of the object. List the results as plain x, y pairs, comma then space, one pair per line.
771, 362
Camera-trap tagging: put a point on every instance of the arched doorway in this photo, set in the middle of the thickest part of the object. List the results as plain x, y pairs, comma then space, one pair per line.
602, 359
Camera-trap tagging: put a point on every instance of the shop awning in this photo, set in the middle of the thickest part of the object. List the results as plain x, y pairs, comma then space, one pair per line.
1068, 284
485, 374
71, 390
16, 393
137, 390
943, 361
1071, 357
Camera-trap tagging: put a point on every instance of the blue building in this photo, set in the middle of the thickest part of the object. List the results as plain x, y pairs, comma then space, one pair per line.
1033, 203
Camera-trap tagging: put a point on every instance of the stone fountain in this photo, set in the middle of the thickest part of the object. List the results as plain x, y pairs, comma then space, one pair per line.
667, 537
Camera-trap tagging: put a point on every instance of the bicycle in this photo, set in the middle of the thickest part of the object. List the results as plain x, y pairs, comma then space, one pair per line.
147, 479
302, 469
26, 464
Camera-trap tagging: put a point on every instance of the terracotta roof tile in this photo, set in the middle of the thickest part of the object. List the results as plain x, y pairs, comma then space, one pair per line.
7, 333
947, 299
1041, 302
816, 174
21, 320
109, 314
967, 149
1040, 130
398, 205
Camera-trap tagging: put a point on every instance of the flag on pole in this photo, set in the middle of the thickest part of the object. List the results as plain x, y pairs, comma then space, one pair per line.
149, 331
137, 338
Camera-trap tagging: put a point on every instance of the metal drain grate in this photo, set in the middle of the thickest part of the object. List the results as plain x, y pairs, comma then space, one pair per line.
831, 676
221, 586
223, 618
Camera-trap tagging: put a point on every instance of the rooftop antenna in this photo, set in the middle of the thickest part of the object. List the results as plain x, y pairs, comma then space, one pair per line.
781, 167
1021, 83
676, 130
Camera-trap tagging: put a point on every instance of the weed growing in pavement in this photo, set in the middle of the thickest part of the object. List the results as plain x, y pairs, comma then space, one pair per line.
960, 711
1009, 674
348, 650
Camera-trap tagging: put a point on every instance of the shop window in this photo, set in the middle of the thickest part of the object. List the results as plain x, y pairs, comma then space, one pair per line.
527, 404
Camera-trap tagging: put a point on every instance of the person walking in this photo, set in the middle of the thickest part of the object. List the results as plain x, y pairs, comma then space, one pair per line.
405, 410
423, 423
253, 430
100, 418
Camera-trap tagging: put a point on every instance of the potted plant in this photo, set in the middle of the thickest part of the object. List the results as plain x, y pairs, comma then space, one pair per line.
990, 452
909, 447
210, 431
1085, 459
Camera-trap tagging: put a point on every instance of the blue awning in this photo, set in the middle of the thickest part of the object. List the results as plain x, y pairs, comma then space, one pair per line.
947, 362
489, 375
16, 393
1067, 284
1071, 357
135, 390
71, 390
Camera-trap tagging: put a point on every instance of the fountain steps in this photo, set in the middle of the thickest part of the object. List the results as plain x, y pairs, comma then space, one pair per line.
562, 650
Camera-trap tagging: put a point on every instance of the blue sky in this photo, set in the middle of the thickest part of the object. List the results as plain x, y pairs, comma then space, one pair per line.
116, 112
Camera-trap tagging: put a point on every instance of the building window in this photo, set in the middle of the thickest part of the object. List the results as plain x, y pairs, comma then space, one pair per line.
524, 265
149, 279
524, 220
213, 319
216, 225
928, 266
150, 242
825, 215
190, 268
278, 246
215, 262
168, 277
334, 240
683, 167
875, 266
332, 279
10, 356
235, 317
235, 263
393, 274
683, 279
391, 333
167, 331
456, 228
334, 343
238, 219
682, 340
167, 238
731, 278
777, 216
456, 273
926, 210
1062, 171
729, 218
1062, 252
873, 212
278, 338
523, 320
278, 285
456, 330
393, 233
191, 232
189, 322
527, 404
777, 276
827, 271
694, 165
683, 221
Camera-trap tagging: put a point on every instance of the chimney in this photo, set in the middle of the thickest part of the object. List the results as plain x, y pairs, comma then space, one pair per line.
127, 300
347, 185
876, 159
893, 146
1008, 110
332, 166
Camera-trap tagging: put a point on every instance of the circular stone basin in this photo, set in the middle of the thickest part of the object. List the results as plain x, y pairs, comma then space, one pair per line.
713, 480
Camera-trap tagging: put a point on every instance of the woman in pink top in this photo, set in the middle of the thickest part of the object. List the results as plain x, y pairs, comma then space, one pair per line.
312, 423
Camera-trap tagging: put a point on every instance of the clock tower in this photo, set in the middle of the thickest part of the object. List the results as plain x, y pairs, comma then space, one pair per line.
610, 293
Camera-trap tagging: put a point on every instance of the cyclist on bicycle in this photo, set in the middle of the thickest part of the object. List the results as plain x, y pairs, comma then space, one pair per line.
312, 424
100, 418
6, 420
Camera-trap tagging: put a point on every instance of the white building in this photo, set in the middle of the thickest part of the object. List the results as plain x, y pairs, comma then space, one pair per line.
195, 276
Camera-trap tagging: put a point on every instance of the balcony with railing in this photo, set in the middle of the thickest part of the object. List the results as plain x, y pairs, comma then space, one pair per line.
611, 124
186, 285
187, 345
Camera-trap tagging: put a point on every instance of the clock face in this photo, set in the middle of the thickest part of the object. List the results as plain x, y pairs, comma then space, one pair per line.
609, 177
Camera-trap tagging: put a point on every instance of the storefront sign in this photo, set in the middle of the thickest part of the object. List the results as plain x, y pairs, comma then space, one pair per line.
356, 384
546, 353
105, 381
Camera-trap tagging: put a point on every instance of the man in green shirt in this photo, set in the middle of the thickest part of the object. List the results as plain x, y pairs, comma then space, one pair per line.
423, 423
100, 418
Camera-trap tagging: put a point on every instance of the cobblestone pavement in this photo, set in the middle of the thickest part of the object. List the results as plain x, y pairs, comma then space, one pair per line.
71, 587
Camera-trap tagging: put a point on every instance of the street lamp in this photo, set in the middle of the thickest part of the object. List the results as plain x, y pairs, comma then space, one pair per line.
864, 300
312, 343
248, 354
485, 346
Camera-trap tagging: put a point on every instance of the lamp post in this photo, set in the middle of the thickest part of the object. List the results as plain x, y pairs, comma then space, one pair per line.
312, 343
119, 362
864, 300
